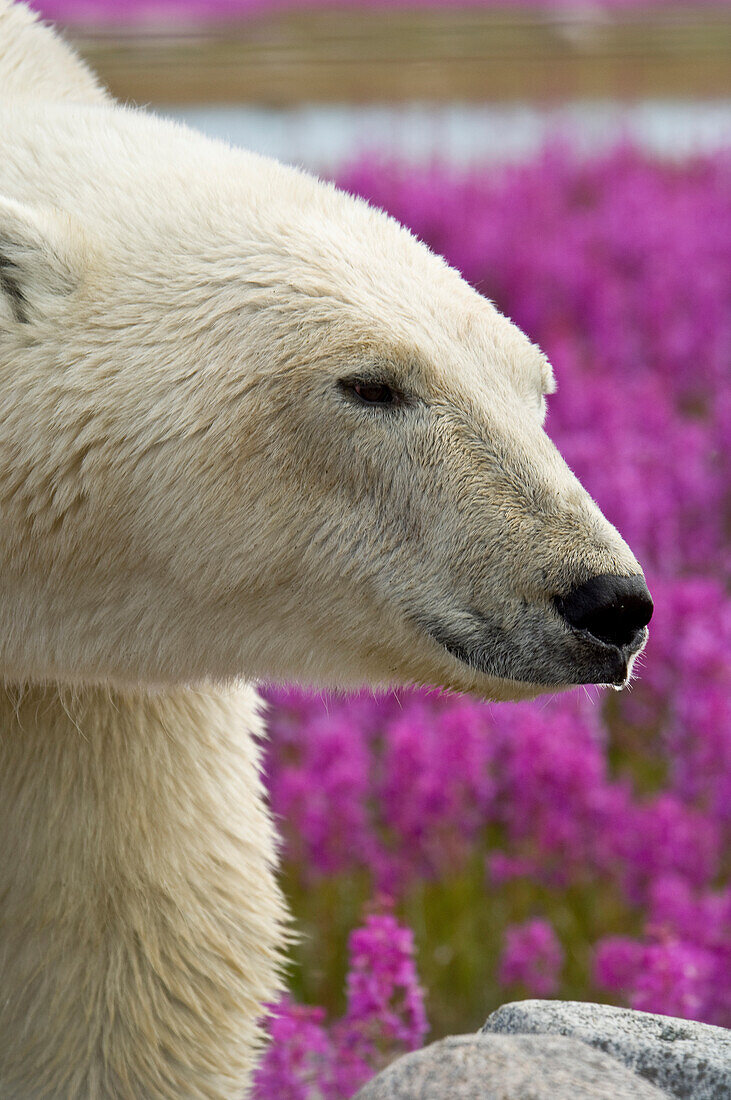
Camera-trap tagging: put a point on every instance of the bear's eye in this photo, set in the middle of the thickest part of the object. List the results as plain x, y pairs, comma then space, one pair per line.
370, 393
374, 393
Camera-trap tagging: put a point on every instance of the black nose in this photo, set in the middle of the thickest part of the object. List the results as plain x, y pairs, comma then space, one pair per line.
613, 609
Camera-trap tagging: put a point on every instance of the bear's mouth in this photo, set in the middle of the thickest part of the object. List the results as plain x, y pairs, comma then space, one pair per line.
541, 656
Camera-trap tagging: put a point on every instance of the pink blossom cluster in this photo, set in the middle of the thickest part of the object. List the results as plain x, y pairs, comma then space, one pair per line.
532, 957
414, 784
620, 267
384, 1017
682, 964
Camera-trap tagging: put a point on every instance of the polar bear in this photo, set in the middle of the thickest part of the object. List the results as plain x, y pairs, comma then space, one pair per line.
250, 427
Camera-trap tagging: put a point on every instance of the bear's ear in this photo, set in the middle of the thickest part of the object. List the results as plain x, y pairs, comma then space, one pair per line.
40, 257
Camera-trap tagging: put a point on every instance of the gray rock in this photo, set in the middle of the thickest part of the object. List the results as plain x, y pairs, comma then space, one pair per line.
508, 1067
688, 1060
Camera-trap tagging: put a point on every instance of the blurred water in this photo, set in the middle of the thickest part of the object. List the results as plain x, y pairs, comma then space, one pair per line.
323, 136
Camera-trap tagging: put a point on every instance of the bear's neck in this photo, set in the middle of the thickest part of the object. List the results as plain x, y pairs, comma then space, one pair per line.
139, 915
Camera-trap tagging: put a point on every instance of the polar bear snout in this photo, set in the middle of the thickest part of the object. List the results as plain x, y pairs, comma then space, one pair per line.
615, 610
609, 615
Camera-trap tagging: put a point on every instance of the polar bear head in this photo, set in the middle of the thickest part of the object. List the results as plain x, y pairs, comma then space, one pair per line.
251, 426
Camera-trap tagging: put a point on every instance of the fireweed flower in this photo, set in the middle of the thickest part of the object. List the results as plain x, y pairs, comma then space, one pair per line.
532, 957
299, 1058
384, 1017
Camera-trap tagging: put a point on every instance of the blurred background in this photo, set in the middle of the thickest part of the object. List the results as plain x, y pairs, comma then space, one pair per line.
318, 81
573, 160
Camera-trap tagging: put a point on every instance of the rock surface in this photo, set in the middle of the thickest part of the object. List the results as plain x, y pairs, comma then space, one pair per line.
508, 1067
687, 1060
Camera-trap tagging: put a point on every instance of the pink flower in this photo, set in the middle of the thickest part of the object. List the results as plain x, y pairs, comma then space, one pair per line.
532, 957
309, 1059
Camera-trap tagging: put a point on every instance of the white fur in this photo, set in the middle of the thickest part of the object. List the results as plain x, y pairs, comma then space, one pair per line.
190, 495
35, 63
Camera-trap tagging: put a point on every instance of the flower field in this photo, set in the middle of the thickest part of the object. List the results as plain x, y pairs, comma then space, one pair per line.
443, 856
